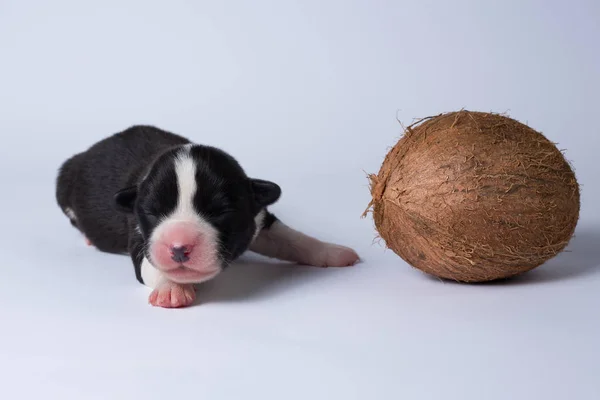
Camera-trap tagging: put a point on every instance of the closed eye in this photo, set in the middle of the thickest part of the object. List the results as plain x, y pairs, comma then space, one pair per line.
151, 218
222, 213
227, 211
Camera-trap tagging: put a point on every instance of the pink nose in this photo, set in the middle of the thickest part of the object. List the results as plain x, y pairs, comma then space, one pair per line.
180, 254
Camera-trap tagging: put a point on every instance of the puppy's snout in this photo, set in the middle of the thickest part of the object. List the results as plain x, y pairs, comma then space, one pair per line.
180, 254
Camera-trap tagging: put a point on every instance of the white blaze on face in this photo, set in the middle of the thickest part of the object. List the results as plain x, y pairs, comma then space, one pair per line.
185, 228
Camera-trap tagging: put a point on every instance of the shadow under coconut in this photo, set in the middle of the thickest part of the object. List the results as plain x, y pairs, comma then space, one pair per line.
250, 278
580, 258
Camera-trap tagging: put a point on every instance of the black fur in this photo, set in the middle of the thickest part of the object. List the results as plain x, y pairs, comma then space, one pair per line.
128, 180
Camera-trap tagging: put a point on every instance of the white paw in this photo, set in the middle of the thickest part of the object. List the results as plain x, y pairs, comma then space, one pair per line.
333, 255
172, 295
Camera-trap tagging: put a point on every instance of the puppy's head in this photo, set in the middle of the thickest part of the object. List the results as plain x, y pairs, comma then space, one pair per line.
197, 211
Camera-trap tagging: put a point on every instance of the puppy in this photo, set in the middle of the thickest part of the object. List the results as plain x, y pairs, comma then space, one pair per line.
182, 211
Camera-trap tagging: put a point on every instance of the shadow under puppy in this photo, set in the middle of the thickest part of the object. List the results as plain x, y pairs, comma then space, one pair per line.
181, 210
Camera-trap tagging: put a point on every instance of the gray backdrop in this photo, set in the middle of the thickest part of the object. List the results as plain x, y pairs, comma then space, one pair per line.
305, 93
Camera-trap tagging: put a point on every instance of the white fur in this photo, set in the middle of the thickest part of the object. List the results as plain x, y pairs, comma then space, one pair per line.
185, 170
259, 220
70, 213
149, 168
282, 242
150, 275
285, 243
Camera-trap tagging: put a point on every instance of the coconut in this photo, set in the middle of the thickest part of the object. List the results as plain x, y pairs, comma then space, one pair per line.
474, 197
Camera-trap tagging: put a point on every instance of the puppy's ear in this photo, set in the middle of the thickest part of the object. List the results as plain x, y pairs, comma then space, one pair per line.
124, 199
265, 192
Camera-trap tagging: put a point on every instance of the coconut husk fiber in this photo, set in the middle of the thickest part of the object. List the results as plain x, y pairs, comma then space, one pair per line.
474, 197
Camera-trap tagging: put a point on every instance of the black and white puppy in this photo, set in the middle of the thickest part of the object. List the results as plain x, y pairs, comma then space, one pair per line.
181, 210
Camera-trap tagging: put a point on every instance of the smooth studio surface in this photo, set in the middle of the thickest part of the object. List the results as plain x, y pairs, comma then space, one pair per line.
305, 94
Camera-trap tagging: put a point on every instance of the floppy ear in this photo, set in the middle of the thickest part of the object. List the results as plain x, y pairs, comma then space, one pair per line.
124, 199
265, 192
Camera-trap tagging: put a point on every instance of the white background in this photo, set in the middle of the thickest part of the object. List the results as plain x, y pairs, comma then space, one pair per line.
305, 93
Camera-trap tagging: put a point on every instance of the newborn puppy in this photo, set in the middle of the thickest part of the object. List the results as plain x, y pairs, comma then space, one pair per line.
182, 211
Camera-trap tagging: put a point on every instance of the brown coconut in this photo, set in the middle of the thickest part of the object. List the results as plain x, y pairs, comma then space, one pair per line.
474, 197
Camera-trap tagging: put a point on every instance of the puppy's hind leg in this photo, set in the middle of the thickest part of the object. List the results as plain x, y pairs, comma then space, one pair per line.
278, 240
65, 183
66, 180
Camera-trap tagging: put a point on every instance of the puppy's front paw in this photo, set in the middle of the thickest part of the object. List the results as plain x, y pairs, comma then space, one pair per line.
172, 295
333, 255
